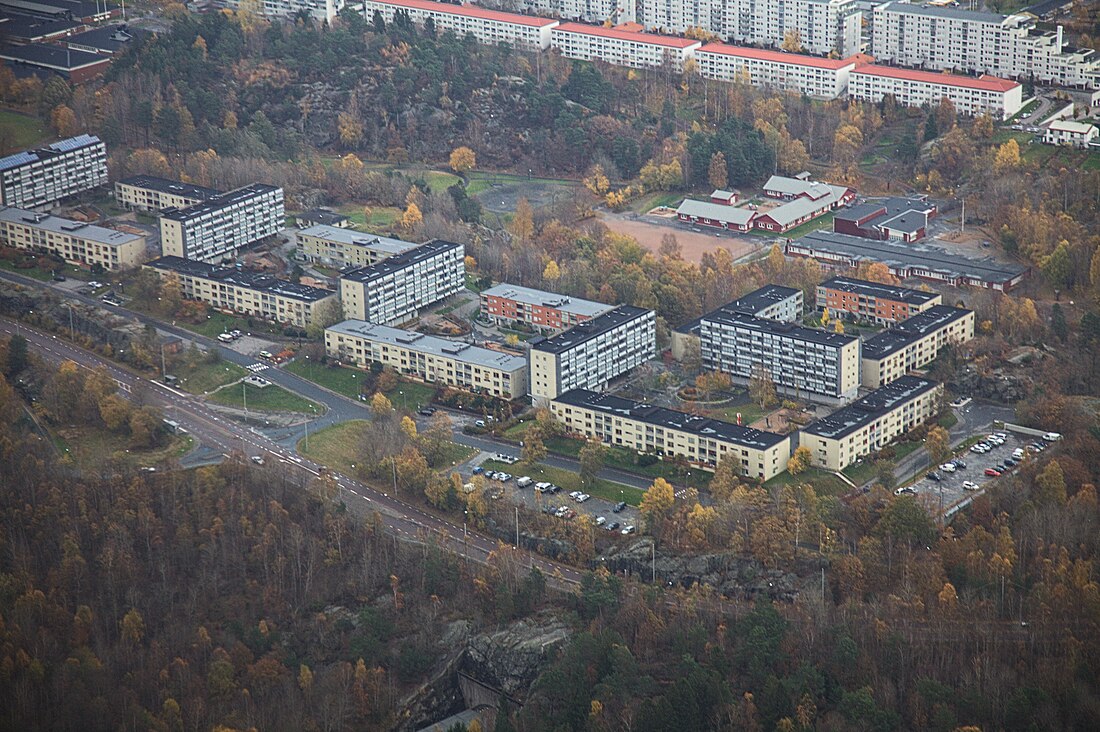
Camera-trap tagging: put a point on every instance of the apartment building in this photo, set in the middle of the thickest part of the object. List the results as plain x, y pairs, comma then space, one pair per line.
1068, 132
506, 304
873, 301
621, 47
821, 78
935, 264
823, 26
395, 289
665, 432
434, 360
213, 230
953, 39
591, 354
74, 241
588, 11
774, 302
40, 178
985, 94
322, 11
253, 294
914, 343
801, 361
336, 246
152, 194
905, 219
869, 424
490, 27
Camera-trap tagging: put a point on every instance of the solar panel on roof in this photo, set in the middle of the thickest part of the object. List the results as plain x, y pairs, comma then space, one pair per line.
72, 143
19, 158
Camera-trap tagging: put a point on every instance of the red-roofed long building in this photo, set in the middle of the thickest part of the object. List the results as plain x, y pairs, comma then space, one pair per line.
971, 96
490, 27
621, 47
824, 78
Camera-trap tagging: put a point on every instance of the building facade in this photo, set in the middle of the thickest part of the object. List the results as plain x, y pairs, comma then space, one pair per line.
337, 246
873, 301
490, 27
821, 78
668, 433
621, 47
245, 293
869, 424
321, 11
799, 360
74, 241
904, 219
913, 343
1068, 132
953, 39
972, 96
431, 359
774, 302
395, 289
590, 355
39, 178
150, 193
214, 230
506, 304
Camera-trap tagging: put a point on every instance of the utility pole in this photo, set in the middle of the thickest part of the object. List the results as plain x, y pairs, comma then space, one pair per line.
653, 561
962, 224
244, 390
163, 363
517, 535
72, 331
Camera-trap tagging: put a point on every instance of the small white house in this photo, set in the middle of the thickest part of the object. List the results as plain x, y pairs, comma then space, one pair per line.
1067, 132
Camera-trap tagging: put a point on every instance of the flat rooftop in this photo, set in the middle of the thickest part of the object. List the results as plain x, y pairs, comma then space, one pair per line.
355, 238
752, 303
714, 429
619, 34
175, 187
862, 412
240, 278
779, 328
29, 27
52, 150
911, 330
541, 298
590, 329
946, 12
108, 38
322, 216
432, 345
400, 261
218, 202
68, 227
52, 56
909, 256
875, 289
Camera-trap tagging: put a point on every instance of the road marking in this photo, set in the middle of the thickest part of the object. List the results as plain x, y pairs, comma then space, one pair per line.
257, 367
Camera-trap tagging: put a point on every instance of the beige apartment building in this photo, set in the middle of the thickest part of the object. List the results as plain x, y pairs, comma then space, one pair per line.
429, 358
667, 432
869, 424
338, 246
150, 193
913, 343
74, 241
245, 293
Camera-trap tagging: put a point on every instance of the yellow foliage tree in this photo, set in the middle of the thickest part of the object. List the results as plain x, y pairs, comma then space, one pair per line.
412, 217
350, 128
463, 160
63, 121
657, 502
552, 272
1007, 158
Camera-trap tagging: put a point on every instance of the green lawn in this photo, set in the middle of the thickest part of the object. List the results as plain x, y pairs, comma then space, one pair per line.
207, 377
217, 323
478, 182
381, 217
411, 395
39, 273
749, 411
439, 182
269, 399
339, 379
824, 482
339, 447
21, 131
651, 201
570, 481
92, 446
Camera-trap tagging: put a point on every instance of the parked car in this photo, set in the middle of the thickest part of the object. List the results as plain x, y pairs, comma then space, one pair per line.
542, 487
1010, 462
583, 497
969, 485
504, 477
948, 467
905, 489
977, 449
619, 506
479, 423
601, 520
1018, 453
960, 464
426, 411
263, 354
574, 494
225, 338
1052, 436
629, 529
613, 526
934, 476
523, 481
993, 472
478, 470
258, 459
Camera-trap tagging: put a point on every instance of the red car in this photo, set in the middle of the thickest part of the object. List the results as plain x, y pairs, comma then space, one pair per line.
993, 472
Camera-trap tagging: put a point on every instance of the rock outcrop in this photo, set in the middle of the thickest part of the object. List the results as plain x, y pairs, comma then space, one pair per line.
511, 658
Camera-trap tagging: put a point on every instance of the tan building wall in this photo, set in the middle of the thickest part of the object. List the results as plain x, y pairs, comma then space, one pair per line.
429, 367
544, 375
171, 238
849, 368
129, 251
657, 439
877, 372
317, 248
149, 199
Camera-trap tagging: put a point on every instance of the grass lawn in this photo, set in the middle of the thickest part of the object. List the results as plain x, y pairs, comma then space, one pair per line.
339, 379
411, 395
904, 449
381, 217
269, 399
860, 473
38, 273
824, 482
21, 131
570, 481
749, 411
948, 420
651, 201
338, 447
439, 181
88, 446
473, 283
217, 323
207, 377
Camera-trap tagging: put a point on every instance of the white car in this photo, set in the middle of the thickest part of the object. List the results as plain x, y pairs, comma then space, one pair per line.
541, 487
977, 448
948, 467
583, 497
905, 489
524, 481
601, 520
629, 529
1018, 453
969, 485
575, 495
1052, 436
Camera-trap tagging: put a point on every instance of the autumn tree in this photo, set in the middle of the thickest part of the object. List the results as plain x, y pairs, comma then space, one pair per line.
847, 143
762, 387
938, 444
799, 460
412, 218
462, 160
64, 121
1050, 485
592, 457
717, 172
534, 449
1007, 158
657, 502
522, 225
792, 41
710, 382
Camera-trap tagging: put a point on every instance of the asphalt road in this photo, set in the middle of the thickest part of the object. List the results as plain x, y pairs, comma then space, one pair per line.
222, 434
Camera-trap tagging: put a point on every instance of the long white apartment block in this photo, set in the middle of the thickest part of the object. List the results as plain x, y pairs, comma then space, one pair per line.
435, 360
337, 246
591, 354
953, 39
488, 26
823, 78
397, 288
215, 229
322, 11
42, 177
1000, 98
589, 11
621, 47
74, 241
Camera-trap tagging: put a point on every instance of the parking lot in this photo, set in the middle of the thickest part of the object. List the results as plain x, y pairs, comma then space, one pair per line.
970, 478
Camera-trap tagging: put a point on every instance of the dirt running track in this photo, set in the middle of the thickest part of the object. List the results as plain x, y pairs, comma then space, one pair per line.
692, 245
